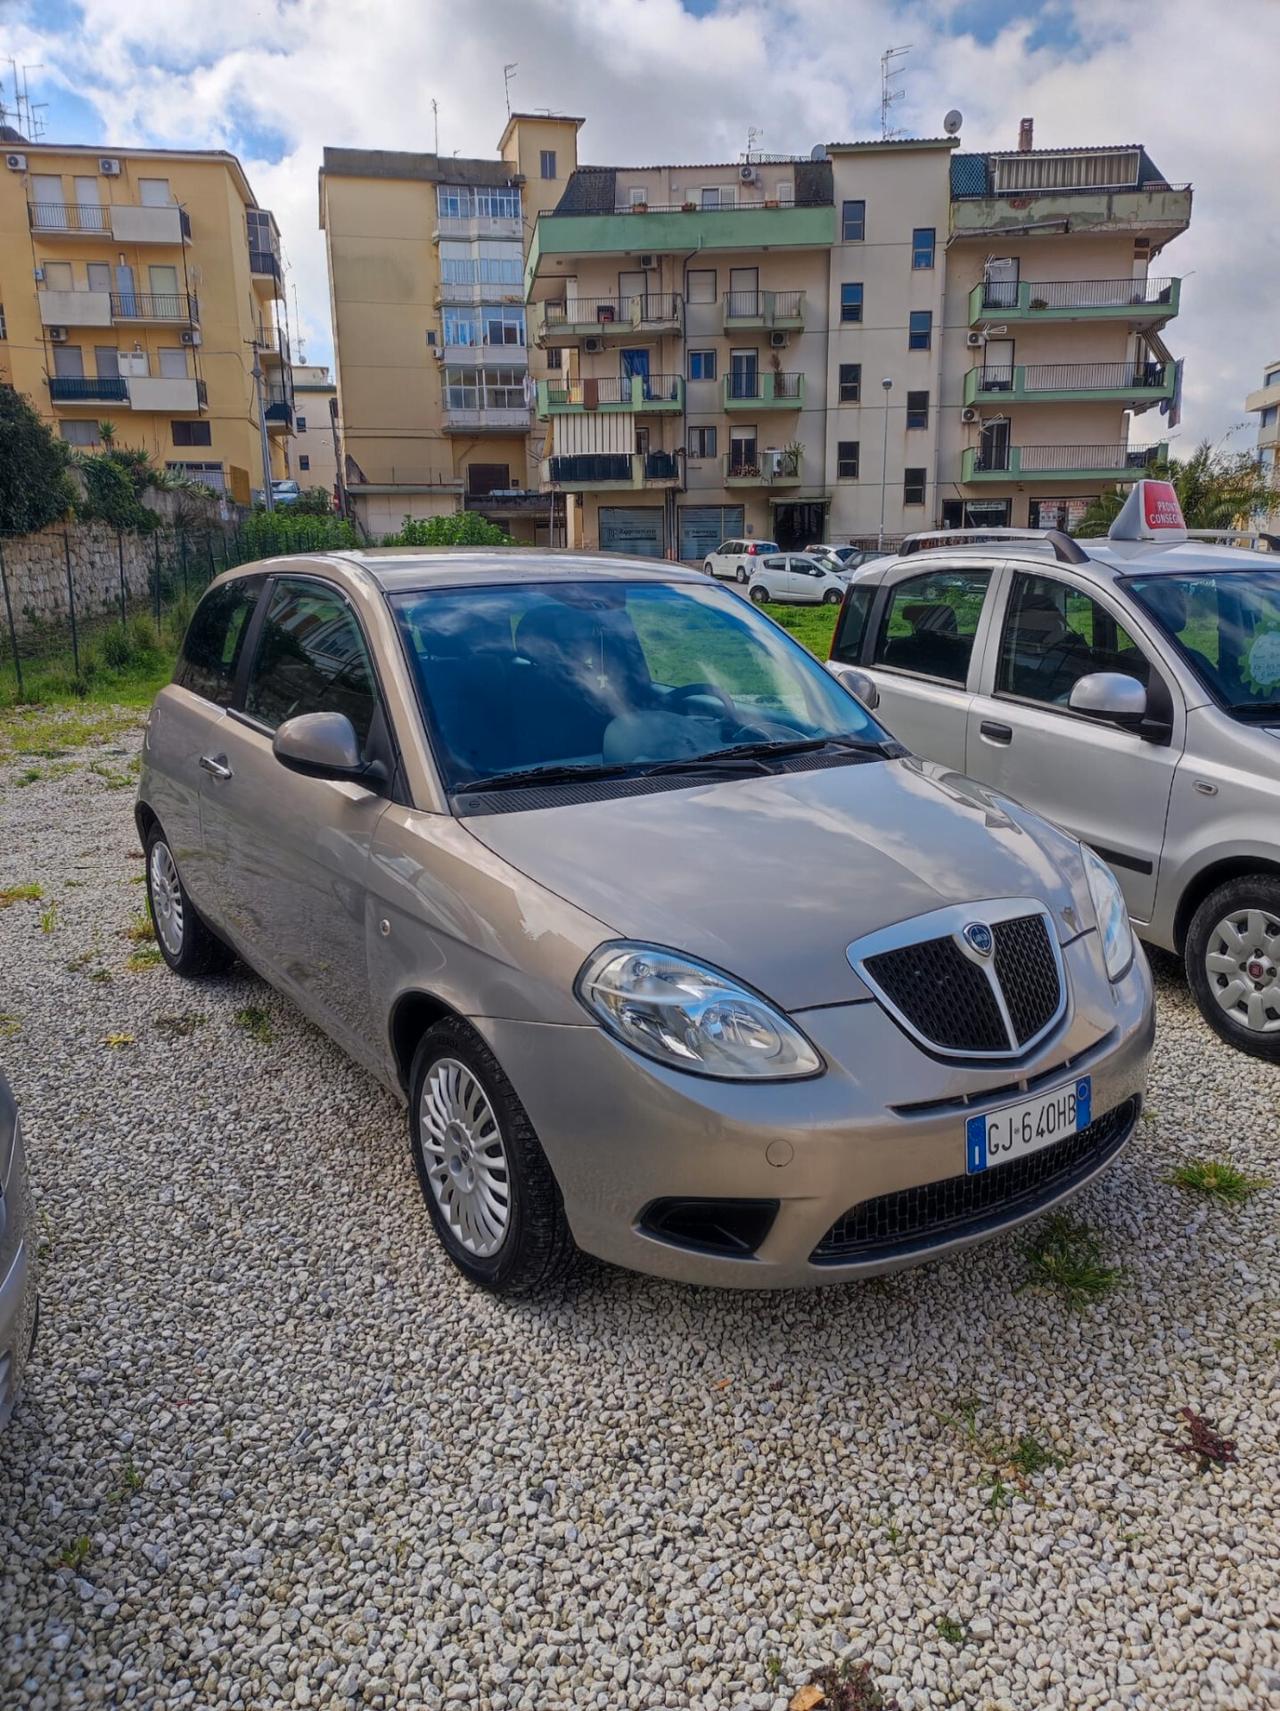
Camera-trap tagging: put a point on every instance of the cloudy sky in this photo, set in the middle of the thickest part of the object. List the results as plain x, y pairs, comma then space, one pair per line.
275, 80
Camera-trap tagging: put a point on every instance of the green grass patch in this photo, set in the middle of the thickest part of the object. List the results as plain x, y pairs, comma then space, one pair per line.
11, 894
256, 1022
9, 1025
44, 734
146, 956
953, 1632
1067, 1257
76, 1554
49, 919
140, 929
1218, 1180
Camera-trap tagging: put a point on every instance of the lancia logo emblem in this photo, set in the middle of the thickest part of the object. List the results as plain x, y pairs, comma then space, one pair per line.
978, 936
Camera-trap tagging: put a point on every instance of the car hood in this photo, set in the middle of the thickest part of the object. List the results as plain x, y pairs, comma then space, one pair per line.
771, 878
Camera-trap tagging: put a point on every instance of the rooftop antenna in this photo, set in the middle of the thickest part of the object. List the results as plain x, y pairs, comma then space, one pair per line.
297, 316
435, 115
754, 134
508, 72
891, 68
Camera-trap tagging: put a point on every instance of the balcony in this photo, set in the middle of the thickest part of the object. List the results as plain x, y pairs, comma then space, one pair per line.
266, 273
678, 230
272, 345
1159, 209
1138, 302
485, 350
639, 394
776, 471
1060, 463
508, 227
155, 306
767, 390
772, 310
604, 472
136, 392
486, 418
502, 291
127, 222
279, 410
74, 308
1135, 383
573, 319
105, 389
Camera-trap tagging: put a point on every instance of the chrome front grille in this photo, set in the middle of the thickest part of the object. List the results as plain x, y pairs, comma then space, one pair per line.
982, 980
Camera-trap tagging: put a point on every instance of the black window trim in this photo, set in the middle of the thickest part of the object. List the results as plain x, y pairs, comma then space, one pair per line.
879, 617
248, 642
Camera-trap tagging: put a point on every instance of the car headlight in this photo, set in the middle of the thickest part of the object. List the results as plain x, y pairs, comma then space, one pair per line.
1112, 915
690, 1016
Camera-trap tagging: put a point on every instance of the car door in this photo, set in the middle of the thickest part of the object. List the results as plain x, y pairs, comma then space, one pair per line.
774, 573
924, 653
1107, 785
292, 853
808, 579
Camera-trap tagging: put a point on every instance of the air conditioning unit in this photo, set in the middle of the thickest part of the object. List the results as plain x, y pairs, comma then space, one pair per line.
779, 341
190, 338
109, 168
437, 352
57, 335
648, 261
969, 414
747, 174
975, 341
593, 347
16, 162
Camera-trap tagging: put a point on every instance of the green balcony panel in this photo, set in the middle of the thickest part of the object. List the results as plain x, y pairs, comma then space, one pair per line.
1105, 463
610, 394
1137, 301
766, 390
1135, 383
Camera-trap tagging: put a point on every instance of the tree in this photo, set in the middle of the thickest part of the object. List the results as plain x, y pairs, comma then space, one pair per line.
34, 486
463, 529
1217, 489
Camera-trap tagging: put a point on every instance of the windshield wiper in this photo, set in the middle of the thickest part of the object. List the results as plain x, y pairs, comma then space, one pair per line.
1255, 710
762, 752
556, 774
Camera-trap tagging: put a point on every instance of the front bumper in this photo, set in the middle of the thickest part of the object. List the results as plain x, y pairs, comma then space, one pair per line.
621, 1133
17, 1279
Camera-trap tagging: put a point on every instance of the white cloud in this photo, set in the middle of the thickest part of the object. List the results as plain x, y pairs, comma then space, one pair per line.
656, 83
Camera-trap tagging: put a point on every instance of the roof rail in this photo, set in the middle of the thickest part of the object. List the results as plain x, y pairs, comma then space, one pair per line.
1065, 550
1251, 537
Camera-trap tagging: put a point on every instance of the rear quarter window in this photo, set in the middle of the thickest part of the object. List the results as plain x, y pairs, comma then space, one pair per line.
851, 626
215, 638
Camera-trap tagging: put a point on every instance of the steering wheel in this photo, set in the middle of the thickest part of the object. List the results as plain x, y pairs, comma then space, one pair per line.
687, 692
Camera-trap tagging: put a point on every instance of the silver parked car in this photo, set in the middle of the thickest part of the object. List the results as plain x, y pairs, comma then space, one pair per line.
673, 953
1128, 688
17, 1256
798, 579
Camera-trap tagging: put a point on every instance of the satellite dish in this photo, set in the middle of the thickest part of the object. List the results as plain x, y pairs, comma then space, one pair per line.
818, 152
953, 121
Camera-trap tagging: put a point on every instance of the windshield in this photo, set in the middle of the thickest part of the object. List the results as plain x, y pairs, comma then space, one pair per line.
1227, 627
617, 675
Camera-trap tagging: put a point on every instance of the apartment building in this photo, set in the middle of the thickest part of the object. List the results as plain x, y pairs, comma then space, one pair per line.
1265, 402
433, 365
139, 287
879, 337
315, 398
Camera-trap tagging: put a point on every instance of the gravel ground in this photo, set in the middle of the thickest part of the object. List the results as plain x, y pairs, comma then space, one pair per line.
274, 1452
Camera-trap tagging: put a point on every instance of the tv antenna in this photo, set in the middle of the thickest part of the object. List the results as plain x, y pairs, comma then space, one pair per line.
754, 134
891, 68
508, 72
26, 113
435, 117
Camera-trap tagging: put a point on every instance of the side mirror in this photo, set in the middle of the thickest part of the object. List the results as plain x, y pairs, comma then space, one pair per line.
324, 745
1110, 695
857, 683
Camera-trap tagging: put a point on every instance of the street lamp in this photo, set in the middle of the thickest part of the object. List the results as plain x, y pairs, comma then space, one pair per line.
884, 458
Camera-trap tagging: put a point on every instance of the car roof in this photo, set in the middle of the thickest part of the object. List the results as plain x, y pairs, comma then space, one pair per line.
404, 569
1107, 560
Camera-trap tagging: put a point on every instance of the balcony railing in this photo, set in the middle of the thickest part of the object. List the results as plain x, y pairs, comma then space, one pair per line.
635, 392
153, 306
1067, 299
279, 406
1140, 383
479, 226
68, 217
104, 389
263, 261
1101, 462
273, 342
513, 418
766, 389
614, 469
595, 314
774, 471
763, 308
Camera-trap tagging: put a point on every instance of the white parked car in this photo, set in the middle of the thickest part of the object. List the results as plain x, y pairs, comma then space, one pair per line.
796, 579
736, 560
844, 558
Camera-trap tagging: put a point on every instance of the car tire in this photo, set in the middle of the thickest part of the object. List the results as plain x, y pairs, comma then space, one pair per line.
708, 568
187, 944
458, 1094
1233, 950
832, 597
761, 596
740, 575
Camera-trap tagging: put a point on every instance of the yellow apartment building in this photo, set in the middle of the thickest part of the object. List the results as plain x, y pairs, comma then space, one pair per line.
138, 287
435, 372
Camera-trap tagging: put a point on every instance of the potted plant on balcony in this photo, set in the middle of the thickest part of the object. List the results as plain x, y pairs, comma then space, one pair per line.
1037, 303
688, 207
744, 472
639, 207
791, 458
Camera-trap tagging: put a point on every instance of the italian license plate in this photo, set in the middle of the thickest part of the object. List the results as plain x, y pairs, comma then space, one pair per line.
1015, 1130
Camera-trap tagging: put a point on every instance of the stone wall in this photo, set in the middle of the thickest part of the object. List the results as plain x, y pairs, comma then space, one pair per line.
35, 569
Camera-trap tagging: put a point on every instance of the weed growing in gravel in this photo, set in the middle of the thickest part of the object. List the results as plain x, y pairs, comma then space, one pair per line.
1218, 1180
953, 1632
1021, 1460
76, 1554
1067, 1257
257, 1022
48, 737
9, 1025
49, 919
130, 1481
112, 779
117, 1039
999, 1495
177, 1027
101, 975
29, 775
11, 894
844, 1687
1030, 1456
146, 956
1205, 1443
140, 929
772, 1670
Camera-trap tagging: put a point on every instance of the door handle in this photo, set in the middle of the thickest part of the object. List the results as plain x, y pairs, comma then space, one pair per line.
216, 765
996, 733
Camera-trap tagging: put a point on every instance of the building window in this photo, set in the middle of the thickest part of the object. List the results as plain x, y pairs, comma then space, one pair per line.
923, 240
920, 330
700, 285
850, 382
304, 462
3, 333
300, 424
702, 365
211, 474
851, 302
785, 192
853, 222
847, 460
192, 433
1269, 414
555, 361
917, 409
548, 167
638, 196
702, 442
1272, 377
913, 486
79, 433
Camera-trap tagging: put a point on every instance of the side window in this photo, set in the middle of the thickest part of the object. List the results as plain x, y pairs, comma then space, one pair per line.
773, 564
1055, 634
311, 659
215, 636
931, 622
846, 647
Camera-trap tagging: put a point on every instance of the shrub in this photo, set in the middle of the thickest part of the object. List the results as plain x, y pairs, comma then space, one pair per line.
117, 647
463, 529
114, 482
268, 533
34, 486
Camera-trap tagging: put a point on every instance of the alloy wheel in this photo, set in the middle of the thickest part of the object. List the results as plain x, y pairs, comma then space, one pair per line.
465, 1157
1242, 962
166, 898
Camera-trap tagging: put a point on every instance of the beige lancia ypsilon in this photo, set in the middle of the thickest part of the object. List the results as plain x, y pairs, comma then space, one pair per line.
675, 954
